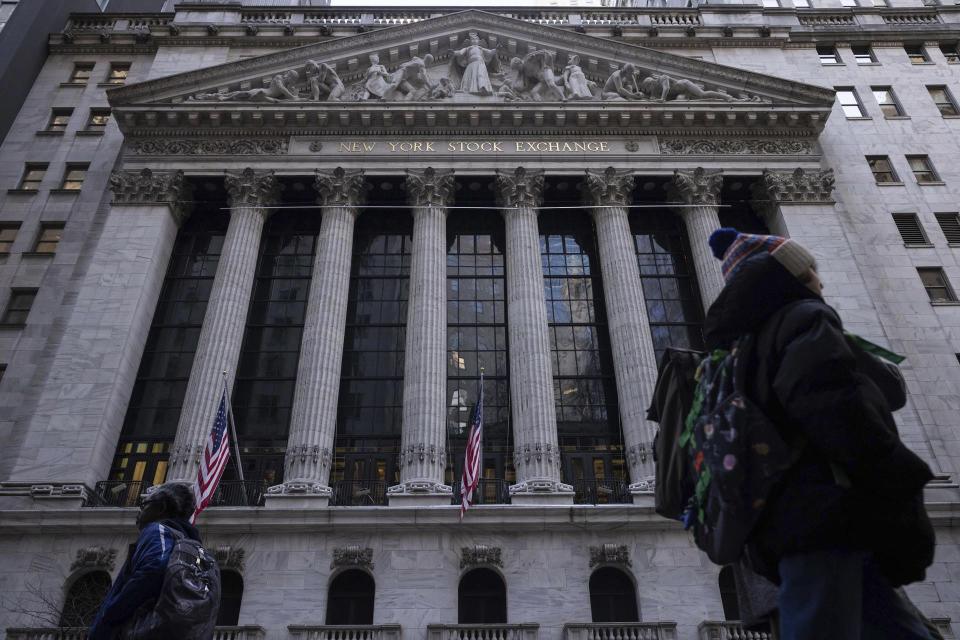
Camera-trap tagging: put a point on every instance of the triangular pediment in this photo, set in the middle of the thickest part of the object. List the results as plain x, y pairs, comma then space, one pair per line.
473, 62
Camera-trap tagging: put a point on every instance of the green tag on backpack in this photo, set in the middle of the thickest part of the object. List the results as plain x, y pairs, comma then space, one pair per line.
875, 349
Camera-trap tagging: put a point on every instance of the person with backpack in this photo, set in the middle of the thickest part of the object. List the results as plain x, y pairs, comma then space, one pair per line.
169, 587
844, 524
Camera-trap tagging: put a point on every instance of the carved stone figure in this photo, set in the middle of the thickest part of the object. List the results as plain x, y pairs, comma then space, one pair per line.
662, 87
610, 554
324, 82
94, 558
352, 555
575, 82
532, 78
474, 60
480, 555
281, 87
513, 85
442, 90
410, 81
377, 80
622, 85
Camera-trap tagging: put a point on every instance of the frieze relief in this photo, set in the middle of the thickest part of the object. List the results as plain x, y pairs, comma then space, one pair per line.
736, 146
480, 555
217, 147
352, 556
94, 558
610, 554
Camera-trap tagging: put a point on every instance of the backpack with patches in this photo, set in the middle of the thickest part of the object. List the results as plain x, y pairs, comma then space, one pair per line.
736, 453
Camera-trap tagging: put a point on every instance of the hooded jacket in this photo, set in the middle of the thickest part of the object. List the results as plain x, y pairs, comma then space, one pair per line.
141, 578
855, 485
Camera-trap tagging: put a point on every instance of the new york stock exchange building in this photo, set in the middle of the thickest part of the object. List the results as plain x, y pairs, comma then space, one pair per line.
344, 217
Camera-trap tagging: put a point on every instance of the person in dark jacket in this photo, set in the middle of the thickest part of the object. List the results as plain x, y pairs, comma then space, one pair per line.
846, 524
164, 510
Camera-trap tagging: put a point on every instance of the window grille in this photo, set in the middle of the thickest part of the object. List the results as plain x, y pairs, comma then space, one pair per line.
950, 225
910, 229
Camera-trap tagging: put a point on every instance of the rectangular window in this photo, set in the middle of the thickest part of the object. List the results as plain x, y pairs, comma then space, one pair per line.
849, 102
801, 4
19, 306
3, 370
935, 282
848, 3
8, 233
772, 4
882, 170
950, 225
888, 102
33, 176
922, 169
910, 229
49, 238
118, 73
863, 54
828, 54
59, 119
881, 3
98, 120
82, 71
950, 52
916, 53
74, 176
944, 101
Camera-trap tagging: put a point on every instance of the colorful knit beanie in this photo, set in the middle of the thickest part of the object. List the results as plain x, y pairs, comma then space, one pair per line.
733, 247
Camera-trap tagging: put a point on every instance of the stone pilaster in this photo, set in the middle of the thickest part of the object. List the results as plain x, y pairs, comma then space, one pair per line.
535, 442
218, 349
423, 456
634, 361
699, 191
314, 415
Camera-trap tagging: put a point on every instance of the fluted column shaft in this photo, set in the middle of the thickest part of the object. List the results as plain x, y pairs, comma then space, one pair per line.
423, 442
536, 448
314, 413
699, 191
221, 336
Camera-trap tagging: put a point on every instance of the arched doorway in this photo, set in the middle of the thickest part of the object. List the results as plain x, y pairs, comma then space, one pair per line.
612, 596
482, 598
350, 598
231, 597
83, 599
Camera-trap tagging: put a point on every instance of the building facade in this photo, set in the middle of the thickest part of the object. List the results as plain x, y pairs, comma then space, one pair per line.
350, 220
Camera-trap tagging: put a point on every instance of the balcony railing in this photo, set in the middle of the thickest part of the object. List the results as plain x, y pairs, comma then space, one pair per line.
601, 492
620, 631
487, 492
233, 493
348, 493
249, 632
731, 630
116, 493
345, 632
526, 631
230, 493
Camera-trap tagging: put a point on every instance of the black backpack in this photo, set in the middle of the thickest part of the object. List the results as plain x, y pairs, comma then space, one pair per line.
189, 600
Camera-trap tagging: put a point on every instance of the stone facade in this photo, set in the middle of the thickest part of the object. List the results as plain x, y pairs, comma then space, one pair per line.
248, 98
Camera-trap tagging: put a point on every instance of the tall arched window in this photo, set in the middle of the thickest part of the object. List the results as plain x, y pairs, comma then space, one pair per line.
612, 596
350, 598
482, 598
231, 597
83, 599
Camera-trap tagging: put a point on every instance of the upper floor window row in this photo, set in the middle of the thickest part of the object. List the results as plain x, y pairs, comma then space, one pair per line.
920, 165
34, 172
863, 54
83, 71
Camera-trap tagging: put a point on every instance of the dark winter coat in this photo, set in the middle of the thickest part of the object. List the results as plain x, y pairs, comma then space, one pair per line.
856, 485
141, 578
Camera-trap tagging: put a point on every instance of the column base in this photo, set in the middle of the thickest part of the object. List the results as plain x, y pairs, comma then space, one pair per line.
298, 495
419, 493
542, 492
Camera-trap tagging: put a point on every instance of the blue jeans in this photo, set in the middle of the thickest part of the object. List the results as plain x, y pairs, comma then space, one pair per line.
841, 595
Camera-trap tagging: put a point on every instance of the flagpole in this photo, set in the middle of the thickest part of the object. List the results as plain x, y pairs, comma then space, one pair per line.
233, 437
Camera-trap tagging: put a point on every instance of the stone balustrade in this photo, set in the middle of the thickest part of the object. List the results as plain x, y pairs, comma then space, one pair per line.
730, 630
247, 632
524, 631
620, 631
345, 632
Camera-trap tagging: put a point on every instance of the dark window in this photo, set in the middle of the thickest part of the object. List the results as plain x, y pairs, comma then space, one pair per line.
3, 370
73, 177
950, 224
8, 233
18, 308
98, 120
118, 73
154, 409
849, 102
944, 101
863, 54
828, 54
910, 229
350, 598
950, 52
728, 594
33, 176
83, 599
59, 119
916, 53
81, 73
482, 598
922, 169
882, 169
231, 597
935, 282
612, 596
888, 102
49, 237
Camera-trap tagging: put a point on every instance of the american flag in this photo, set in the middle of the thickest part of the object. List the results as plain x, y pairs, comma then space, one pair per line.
215, 457
474, 455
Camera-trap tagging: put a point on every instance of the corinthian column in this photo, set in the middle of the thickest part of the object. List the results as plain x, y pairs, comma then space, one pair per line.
314, 415
700, 191
423, 457
535, 443
634, 361
218, 348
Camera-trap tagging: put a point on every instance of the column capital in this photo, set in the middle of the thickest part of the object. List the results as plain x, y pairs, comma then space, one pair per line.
149, 187
797, 186
429, 187
250, 188
700, 186
520, 188
612, 187
341, 187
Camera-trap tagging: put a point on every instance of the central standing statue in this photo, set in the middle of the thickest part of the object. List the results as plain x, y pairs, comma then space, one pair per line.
470, 66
